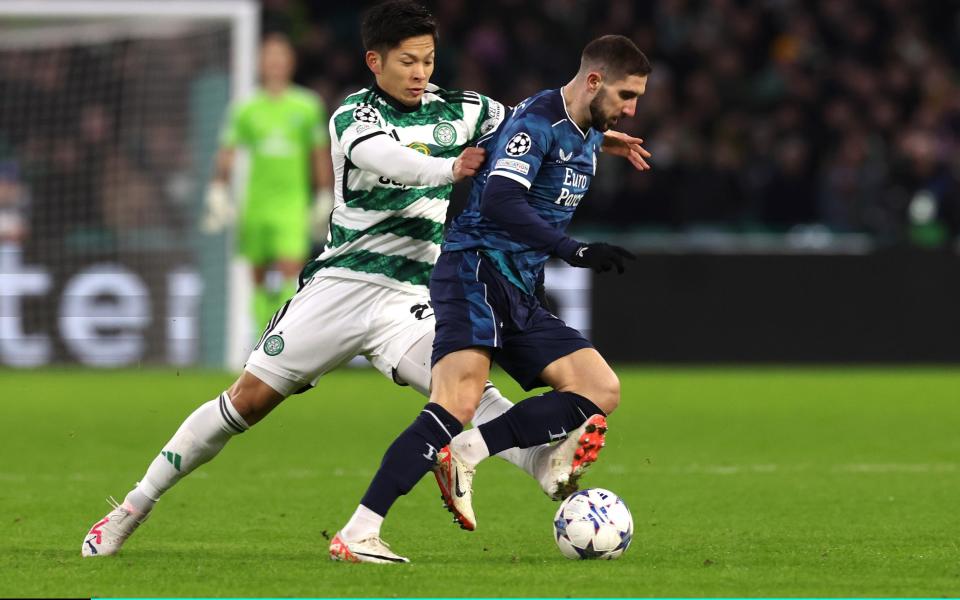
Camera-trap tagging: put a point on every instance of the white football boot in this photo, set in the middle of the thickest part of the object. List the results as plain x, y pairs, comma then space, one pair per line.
456, 487
562, 467
109, 533
370, 550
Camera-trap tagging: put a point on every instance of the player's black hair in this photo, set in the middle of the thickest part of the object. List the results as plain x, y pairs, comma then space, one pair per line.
387, 24
617, 55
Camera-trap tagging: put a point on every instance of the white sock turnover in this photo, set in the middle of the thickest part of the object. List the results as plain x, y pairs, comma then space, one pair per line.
362, 525
492, 405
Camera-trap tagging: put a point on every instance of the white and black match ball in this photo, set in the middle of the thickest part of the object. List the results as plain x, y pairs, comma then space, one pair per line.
593, 524
519, 144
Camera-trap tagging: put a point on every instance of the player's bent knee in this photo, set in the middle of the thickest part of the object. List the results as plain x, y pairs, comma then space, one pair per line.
252, 398
604, 391
460, 400
463, 407
612, 393
458, 382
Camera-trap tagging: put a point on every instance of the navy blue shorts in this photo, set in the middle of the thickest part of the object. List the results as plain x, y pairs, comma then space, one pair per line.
476, 306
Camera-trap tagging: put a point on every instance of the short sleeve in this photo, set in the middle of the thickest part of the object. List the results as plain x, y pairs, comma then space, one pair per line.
353, 124
520, 148
492, 114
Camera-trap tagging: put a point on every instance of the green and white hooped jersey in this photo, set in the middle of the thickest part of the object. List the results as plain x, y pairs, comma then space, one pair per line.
383, 231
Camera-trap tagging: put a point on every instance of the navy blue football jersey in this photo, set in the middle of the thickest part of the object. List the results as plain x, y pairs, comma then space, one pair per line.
541, 148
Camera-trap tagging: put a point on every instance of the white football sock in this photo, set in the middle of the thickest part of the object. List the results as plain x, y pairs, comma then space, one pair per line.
492, 405
414, 369
470, 447
362, 525
204, 433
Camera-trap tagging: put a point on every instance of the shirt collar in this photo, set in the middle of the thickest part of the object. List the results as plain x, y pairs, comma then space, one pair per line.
563, 104
393, 102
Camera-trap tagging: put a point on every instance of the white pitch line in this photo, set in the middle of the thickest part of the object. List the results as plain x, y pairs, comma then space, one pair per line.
898, 468
772, 468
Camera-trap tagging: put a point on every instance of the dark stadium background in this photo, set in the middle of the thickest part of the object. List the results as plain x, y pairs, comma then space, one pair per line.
804, 202
805, 198
762, 116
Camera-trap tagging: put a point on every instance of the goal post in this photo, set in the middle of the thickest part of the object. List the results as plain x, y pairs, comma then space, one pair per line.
110, 113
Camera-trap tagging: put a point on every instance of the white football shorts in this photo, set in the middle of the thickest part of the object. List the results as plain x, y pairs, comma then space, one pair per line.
331, 320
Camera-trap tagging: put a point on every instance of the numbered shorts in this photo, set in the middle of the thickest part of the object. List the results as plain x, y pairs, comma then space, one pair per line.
331, 320
264, 238
476, 306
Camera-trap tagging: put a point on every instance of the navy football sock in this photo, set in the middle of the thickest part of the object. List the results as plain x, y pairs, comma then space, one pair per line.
537, 420
410, 457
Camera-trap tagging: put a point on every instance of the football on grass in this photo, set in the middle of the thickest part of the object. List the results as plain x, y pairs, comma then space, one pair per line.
593, 523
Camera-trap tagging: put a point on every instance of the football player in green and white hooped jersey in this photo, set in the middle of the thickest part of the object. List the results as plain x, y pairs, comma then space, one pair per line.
397, 148
385, 229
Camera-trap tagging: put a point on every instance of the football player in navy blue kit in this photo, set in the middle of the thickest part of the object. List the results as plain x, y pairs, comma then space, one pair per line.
484, 290
483, 286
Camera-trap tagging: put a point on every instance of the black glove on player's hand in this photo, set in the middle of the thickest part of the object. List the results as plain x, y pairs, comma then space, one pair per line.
600, 257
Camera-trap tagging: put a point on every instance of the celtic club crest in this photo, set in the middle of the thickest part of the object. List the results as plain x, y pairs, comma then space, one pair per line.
273, 345
444, 134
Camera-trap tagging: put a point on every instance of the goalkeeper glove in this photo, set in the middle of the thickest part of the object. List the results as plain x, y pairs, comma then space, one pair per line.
220, 212
600, 257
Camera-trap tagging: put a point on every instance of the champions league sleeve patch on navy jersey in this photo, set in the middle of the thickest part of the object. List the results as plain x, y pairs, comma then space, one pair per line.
513, 165
366, 114
519, 144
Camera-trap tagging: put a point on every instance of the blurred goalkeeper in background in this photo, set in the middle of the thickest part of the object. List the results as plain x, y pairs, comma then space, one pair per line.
283, 126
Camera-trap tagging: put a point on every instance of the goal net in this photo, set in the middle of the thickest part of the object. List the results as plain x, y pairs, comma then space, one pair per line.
109, 118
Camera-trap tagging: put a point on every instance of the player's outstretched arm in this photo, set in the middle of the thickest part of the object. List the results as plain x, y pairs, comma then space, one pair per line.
620, 144
383, 155
504, 202
468, 163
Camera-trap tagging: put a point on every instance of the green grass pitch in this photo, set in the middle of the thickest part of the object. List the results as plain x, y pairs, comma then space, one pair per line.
742, 482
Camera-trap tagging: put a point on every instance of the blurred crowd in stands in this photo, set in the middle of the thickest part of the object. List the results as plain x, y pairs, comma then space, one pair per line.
769, 115
761, 115
97, 134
